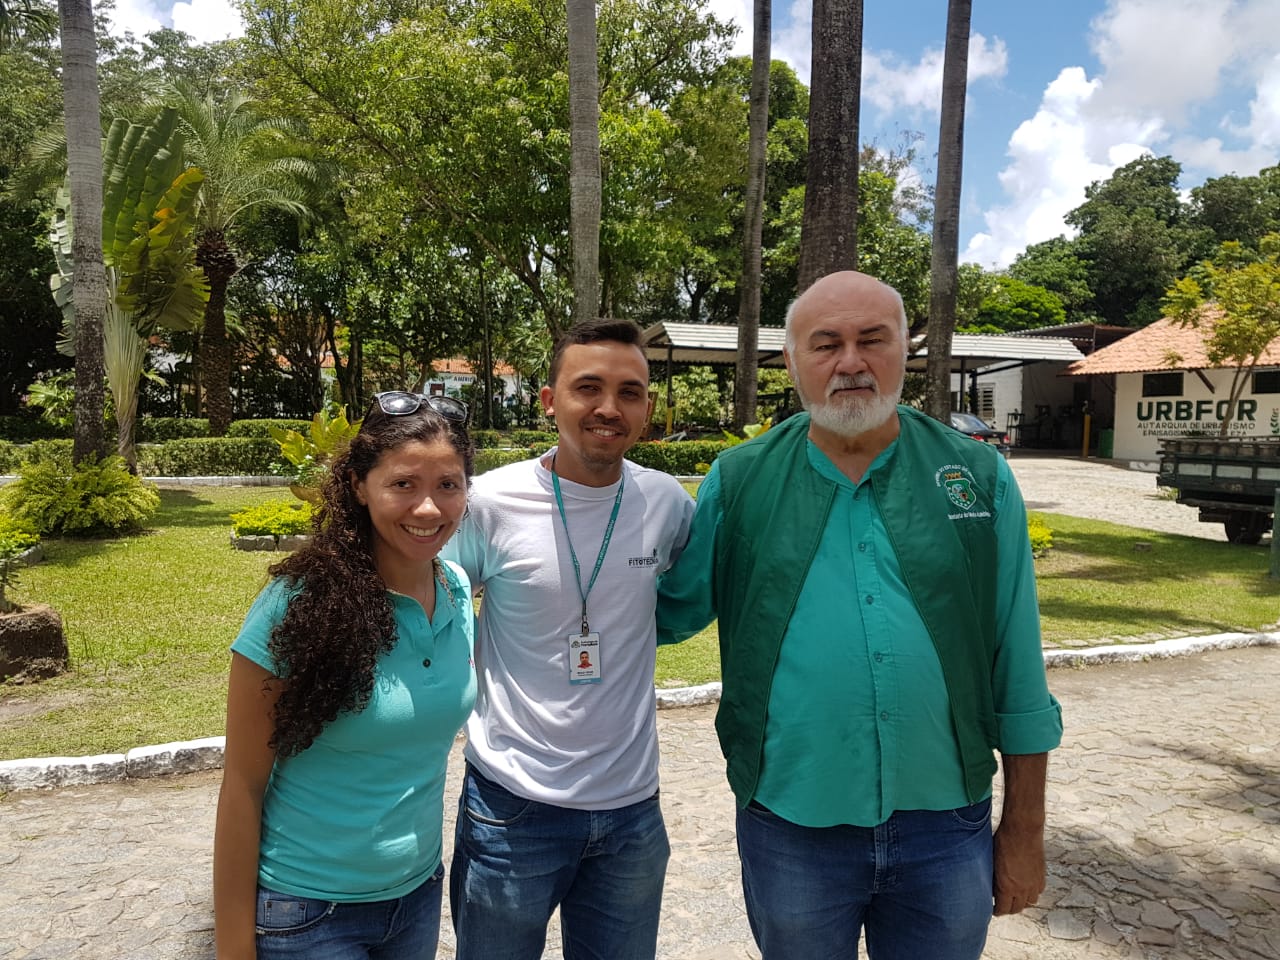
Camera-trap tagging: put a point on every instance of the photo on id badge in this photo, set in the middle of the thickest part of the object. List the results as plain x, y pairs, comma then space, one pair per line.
584, 658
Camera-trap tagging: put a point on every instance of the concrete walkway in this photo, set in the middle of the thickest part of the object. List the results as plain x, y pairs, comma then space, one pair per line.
1164, 837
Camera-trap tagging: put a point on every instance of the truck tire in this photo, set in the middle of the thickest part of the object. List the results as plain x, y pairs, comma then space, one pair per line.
1245, 526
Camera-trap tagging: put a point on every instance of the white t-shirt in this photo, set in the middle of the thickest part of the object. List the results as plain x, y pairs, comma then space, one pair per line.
587, 746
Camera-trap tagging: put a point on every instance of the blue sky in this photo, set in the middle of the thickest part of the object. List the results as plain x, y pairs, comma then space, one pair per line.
1061, 92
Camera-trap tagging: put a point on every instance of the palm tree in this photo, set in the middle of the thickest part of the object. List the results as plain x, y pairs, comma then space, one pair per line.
249, 160
829, 228
944, 279
84, 175
744, 401
23, 18
584, 157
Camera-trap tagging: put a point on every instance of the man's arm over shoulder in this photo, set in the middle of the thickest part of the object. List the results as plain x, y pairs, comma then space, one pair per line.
686, 592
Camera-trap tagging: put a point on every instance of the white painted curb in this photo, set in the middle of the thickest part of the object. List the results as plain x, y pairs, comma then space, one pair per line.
206, 754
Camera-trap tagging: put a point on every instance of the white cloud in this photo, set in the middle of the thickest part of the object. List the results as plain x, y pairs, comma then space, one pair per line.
1053, 157
737, 12
1165, 65
793, 36
208, 20
138, 17
1162, 55
889, 84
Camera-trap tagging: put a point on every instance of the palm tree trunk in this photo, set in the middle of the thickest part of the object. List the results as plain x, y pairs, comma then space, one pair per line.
944, 279
829, 228
84, 173
747, 375
214, 256
584, 157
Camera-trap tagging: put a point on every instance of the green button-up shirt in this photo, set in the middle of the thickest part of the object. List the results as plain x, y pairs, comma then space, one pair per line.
859, 723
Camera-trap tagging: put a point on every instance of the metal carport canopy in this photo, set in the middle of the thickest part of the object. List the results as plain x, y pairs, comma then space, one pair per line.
717, 343
709, 343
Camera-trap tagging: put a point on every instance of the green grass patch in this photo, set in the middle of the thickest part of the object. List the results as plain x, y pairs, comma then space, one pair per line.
150, 617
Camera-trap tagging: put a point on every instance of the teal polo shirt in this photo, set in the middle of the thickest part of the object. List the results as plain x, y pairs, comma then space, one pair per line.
859, 722
358, 815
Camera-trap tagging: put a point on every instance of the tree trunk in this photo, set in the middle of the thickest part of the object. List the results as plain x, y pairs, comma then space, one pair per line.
84, 173
214, 256
747, 376
584, 157
829, 228
944, 279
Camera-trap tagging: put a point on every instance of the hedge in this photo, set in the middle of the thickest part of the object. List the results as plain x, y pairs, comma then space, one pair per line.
9, 457
160, 429
212, 457
680, 459
487, 460
24, 429
258, 428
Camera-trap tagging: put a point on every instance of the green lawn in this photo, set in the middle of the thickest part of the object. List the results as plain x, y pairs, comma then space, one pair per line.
149, 618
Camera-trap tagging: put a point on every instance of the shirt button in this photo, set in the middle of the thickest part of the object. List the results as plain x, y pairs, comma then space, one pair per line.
862, 548
884, 715
426, 662
870, 599
879, 657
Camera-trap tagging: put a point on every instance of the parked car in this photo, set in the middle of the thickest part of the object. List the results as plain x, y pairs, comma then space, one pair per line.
976, 427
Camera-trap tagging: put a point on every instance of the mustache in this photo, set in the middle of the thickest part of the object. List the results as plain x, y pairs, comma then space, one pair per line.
845, 381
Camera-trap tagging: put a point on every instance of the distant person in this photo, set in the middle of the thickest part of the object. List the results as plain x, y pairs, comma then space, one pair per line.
350, 679
879, 638
559, 805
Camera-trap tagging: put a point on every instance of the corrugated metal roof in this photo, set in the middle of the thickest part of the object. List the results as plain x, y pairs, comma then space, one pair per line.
709, 343
1165, 345
983, 349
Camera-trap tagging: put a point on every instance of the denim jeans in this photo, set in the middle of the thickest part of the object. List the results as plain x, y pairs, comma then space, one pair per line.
407, 928
515, 860
920, 885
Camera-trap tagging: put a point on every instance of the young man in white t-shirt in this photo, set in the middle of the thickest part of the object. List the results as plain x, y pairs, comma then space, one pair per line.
559, 806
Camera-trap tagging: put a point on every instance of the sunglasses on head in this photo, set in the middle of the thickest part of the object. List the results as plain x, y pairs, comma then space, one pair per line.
401, 403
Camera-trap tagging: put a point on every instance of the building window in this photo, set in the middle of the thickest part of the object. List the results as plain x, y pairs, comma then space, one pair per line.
1266, 381
1162, 384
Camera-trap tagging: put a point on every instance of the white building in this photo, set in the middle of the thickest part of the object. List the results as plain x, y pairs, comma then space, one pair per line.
1165, 387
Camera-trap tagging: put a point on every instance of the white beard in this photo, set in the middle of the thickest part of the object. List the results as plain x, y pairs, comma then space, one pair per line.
851, 416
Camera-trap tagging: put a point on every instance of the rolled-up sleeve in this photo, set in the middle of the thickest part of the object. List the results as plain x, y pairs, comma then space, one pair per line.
1028, 717
686, 592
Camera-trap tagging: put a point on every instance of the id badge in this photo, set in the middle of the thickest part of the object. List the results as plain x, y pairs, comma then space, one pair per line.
584, 658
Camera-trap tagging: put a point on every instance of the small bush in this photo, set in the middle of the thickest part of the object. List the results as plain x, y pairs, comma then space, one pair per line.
48, 451
160, 429
487, 439
1041, 536
273, 518
261, 429
9, 457
492, 459
212, 457
97, 498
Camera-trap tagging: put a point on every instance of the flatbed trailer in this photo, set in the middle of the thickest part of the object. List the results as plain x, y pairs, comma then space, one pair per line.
1232, 481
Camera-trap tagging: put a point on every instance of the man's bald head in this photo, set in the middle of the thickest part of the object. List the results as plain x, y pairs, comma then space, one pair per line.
839, 291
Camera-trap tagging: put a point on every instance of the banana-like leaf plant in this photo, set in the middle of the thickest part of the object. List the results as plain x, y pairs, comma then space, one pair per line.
149, 200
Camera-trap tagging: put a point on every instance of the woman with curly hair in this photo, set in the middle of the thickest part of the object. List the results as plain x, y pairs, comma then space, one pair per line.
349, 680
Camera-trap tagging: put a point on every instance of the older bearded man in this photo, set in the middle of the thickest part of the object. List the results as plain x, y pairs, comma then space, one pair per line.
879, 638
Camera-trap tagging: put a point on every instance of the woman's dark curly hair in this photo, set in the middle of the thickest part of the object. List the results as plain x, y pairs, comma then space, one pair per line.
340, 620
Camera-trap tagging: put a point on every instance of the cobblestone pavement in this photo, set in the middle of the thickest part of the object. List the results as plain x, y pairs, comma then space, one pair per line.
1164, 837
1105, 490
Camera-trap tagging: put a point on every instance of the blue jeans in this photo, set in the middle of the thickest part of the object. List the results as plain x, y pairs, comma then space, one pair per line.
920, 884
515, 860
407, 928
